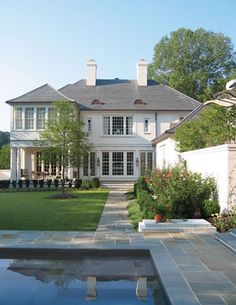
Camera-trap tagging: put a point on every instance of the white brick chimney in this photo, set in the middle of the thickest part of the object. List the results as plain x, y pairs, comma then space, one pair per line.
91, 72
142, 72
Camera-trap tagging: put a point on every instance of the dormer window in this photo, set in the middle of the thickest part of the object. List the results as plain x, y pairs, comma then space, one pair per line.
139, 102
97, 102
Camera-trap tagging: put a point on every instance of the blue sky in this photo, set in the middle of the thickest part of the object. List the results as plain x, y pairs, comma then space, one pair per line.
49, 41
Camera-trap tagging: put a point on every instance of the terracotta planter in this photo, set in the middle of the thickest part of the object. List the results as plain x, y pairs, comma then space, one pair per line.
159, 218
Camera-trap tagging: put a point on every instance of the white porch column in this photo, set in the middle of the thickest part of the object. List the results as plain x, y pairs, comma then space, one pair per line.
13, 163
18, 166
70, 172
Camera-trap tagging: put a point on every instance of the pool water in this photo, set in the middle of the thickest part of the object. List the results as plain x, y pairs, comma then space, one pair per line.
26, 281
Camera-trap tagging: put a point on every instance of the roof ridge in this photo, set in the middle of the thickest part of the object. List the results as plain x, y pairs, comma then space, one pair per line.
69, 99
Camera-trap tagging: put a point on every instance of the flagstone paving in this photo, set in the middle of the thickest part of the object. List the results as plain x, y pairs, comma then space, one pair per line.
194, 268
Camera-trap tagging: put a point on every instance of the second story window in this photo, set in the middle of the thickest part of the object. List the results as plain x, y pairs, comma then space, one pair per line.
41, 118
89, 125
118, 125
146, 125
129, 125
29, 118
106, 125
19, 118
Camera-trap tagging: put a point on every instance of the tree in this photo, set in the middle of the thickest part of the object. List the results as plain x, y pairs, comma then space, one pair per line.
4, 138
215, 125
5, 157
197, 63
64, 137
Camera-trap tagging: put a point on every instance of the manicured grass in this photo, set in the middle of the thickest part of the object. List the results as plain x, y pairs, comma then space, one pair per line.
34, 211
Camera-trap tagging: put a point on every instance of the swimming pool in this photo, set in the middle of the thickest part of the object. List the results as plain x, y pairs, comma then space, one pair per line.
69, 277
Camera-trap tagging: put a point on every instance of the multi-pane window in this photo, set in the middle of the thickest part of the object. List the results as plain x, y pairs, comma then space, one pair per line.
40, 118
29, 118
117, 163
129, 125
39, 162
106, 125
130, 163
105, 163
146, 125
92, 163
118, 125
89, 164
19, 118
146, 161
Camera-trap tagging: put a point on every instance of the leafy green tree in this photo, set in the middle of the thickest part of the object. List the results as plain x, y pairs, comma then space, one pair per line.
197, 63
215, 125
4, 137
5, 157
64, 137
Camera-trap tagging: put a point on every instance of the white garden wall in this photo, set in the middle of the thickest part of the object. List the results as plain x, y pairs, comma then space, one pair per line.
220, 163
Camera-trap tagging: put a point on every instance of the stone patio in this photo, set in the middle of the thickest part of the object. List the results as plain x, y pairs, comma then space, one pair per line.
194, 268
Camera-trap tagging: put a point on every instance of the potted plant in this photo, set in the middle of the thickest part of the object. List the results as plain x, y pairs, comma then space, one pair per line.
160, 213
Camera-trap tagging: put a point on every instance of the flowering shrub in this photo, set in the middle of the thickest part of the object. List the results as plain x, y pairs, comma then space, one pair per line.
224, 222
182, 191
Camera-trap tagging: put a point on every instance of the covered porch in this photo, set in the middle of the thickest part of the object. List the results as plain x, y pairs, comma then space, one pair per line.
27, 163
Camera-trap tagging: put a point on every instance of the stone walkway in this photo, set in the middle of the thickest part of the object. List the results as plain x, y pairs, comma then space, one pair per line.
195, 269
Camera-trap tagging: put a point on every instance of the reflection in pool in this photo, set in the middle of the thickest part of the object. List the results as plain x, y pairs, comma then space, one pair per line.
78, 279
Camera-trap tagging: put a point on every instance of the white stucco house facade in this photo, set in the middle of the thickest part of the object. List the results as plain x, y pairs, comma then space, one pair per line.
121, 116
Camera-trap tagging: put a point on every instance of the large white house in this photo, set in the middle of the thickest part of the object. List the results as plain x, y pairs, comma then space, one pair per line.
122, 117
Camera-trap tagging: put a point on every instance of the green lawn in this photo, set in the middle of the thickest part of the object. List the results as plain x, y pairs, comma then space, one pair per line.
34, 211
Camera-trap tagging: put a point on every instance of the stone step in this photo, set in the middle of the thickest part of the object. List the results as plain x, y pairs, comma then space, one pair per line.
233, 232
176, 225
119, 185
227, 239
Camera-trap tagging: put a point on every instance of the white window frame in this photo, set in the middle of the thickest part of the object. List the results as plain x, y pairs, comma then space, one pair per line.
108, 128
146, 128
21, 118
32, 119
89, 125
42, 120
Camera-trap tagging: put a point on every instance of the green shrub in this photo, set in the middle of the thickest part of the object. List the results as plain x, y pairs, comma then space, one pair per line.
20, 183
209, 207
4, 184
49, 182
95, 183
180, 190
146, 203
41, 183
134, 213
56, 182
86, 184
35, 183
27, 183
77, 183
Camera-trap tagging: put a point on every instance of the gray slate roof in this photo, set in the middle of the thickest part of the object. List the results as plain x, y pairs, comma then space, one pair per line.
121, 94
113, 94
45, 93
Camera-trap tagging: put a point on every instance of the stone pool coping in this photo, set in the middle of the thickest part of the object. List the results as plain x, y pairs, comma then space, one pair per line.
173, 283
